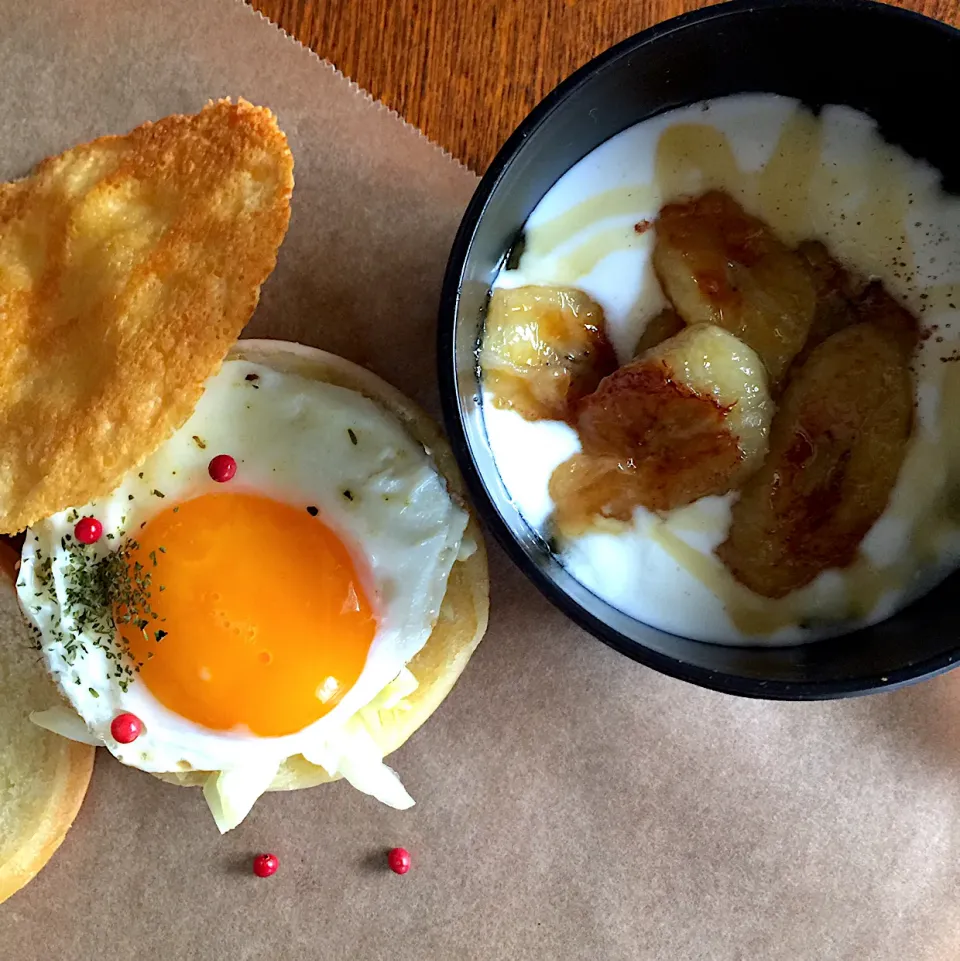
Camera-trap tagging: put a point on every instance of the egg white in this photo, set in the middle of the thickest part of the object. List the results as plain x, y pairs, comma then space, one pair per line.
297, 441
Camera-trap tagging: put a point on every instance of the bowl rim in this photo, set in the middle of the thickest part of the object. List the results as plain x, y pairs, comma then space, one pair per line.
727, 683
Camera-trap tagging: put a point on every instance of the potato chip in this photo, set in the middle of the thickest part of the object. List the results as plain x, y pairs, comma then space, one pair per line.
128, 266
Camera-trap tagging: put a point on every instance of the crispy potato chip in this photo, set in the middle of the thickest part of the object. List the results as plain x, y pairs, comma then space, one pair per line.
128, 266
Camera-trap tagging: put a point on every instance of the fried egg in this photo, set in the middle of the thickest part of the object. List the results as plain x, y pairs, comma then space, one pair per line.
256, 619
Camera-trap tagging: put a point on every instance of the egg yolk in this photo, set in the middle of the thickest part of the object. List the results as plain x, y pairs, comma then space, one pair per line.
259, 618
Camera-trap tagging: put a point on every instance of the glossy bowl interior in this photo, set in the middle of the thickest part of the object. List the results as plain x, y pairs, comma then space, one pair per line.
901, 69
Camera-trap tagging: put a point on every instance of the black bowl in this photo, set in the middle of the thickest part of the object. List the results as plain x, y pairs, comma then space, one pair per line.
898, 67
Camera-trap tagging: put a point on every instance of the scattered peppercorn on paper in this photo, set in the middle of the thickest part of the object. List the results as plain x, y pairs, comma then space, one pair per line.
570, 803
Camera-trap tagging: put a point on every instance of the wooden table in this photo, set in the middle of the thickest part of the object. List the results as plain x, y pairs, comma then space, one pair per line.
467, 71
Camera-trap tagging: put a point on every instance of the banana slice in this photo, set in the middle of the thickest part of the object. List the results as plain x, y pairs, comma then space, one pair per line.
687, 419
836, 447
718, 265
875, 306
668, 323
845, 298
543, 349
836, 290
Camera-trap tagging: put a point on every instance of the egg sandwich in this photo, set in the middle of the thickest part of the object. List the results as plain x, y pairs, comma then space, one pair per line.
247, 565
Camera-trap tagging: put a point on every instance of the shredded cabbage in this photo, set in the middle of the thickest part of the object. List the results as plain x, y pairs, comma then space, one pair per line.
352, 752
403, 685
65, 722
231, 794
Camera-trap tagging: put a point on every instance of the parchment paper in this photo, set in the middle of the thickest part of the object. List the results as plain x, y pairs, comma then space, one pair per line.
572, 804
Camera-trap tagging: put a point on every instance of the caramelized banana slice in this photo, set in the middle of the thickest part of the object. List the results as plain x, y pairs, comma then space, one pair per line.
836, 291
718, 265
687, 419
543, 349
665, 325
845, 299
836, 447
877, 307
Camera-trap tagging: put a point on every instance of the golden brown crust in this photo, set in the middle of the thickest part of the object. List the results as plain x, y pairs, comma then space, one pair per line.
463, 614
128, 266
67, 786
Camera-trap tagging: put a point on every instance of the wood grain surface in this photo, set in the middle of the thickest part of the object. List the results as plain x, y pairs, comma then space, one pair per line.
467, 71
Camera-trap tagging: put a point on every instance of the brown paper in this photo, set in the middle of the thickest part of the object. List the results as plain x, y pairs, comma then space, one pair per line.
571, 804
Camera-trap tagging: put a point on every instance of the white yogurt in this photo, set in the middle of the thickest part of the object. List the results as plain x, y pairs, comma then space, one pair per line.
881, 213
